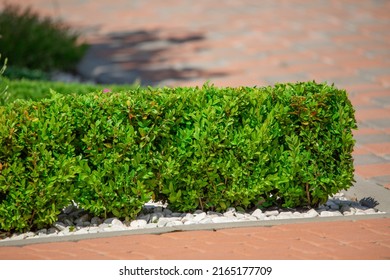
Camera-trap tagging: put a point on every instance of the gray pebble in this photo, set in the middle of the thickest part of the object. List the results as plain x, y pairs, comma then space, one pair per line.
60, 226
113, 222
96, 221
167, 212
82, 219
176, 214
52, 230
146, 217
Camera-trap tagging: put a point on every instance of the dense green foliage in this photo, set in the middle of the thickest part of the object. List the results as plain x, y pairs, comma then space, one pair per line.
210, 148
35, 45
37, 90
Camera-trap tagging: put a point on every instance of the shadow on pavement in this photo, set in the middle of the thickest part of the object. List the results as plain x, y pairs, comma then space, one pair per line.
145, 57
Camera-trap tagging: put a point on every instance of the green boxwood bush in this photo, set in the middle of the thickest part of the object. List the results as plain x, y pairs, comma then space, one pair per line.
37, 90
211, 148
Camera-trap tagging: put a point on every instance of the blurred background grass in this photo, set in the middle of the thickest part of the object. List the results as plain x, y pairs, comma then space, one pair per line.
35, 46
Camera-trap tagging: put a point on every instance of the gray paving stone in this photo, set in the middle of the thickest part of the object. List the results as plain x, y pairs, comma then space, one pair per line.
381, 180
372, 138
379, 123
368, 159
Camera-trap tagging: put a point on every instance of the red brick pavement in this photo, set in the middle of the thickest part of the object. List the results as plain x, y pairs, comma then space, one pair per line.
341, 240
234, 43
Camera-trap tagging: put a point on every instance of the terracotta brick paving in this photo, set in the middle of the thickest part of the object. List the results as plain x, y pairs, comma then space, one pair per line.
353, 240
247, 42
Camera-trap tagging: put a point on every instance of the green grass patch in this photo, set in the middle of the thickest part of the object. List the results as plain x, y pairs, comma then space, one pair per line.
35, 45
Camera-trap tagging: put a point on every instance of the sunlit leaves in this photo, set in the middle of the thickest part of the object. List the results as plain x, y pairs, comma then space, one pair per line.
196, 148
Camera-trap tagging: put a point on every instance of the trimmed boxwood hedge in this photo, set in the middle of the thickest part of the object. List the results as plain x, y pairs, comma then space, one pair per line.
207, 148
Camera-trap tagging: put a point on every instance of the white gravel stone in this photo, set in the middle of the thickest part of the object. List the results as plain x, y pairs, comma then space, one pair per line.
113, 222
155, 217
360, 212
153, 225
190, 223
239, 215
206, 220
229, 213
188, 217
220, 219
93, 229
163, 221
271, 213
138, 223
330, 214
370, 211
311, 214
174, 223
297, 215
199, 217
269, 218
258, 214
18, 236
68, 230
284, 215
82, 231
250, 218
